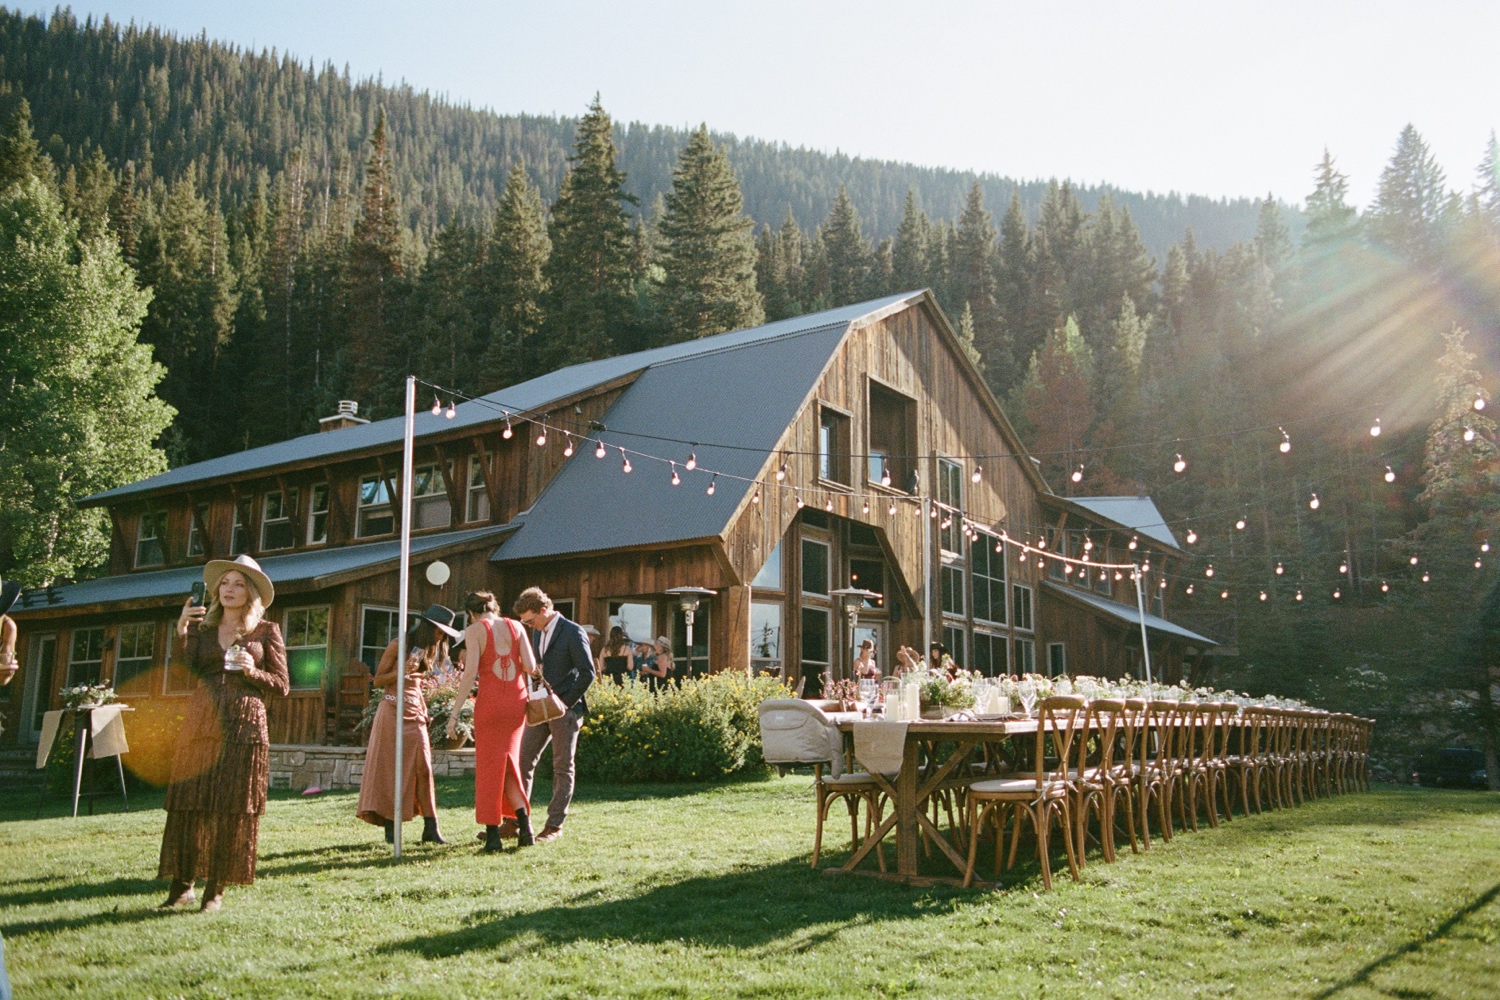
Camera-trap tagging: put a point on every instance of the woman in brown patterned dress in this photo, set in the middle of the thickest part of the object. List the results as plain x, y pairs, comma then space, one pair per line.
221, 765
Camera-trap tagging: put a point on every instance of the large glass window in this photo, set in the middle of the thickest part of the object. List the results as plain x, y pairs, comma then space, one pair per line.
317, 515
951, 579
276, 520
1021, 607
430, 507
989, 579
637, 618
135, 646
869, 574
951, 493
86, 656
1102, 581
815, 567
479, 497
306, 635
239, 537
376, 515
690, 662
41, 658
377, 628
769, 577
179, 678
1057, 659
1057, 542
149, 550
833, 446
1025, 656
765, 636
953, 638
991, 654
197, 528
815, 647
892, 428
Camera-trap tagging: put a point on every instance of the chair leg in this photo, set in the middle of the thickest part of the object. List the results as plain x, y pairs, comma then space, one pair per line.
1074, 851
1041, 821
818, 833
973, 845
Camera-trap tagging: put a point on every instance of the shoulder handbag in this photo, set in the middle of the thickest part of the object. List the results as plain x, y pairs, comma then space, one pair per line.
542, 704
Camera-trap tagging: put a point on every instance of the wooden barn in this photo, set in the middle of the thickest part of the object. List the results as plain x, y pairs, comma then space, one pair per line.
818, 427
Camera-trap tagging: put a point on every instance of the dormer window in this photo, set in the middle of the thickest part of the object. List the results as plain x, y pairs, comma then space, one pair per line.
149, 550
376, 516
429, 499
276, 520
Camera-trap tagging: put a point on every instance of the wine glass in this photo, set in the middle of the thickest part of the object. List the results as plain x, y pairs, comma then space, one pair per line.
1027, 690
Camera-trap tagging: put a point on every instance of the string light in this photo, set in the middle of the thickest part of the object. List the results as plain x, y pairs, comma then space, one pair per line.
713, 484
1239, 525
1390, 474
1023, 556
691, 463
885, 476
1192, 536
1479, 564
1375, 428
1263, 595
1468, 433
452, 410
1314, 503
867, 506
781, 473
1385, 588
1088, 545
1209, 572
1299, 594
1133, 544
541, 436
1180, 465
1286, 441
1479, 402
1413, 560
676, 479
1426, 577
1484, 546
1224, 595
624, 461
1188, 591
946, 523
1119, 575
1279, 569
1077, 476
828, 505
599, 451
1068, 569
508, 433
892, 511
1343, 568
568, 448
800, 504
1041, 543
1337, 593
978, 473
934, 513
756, 498
1160, 586
1146, 565
437, 406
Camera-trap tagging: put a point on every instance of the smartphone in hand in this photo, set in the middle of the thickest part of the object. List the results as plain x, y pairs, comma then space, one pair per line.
198, 591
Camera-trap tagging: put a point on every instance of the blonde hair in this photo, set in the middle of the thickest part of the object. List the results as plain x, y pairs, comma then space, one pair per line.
255, 610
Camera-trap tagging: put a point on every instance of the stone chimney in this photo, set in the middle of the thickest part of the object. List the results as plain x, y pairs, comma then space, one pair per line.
348, 416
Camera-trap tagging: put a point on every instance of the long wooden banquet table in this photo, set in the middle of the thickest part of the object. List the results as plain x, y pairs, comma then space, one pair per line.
913, 789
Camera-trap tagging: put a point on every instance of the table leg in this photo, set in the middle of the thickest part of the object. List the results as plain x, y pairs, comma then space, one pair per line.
124, 796
82, 725
906, 811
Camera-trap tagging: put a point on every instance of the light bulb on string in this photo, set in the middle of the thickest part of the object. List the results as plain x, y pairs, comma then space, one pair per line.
625, 465
713, 485
1343, 568
1188, 590
452, 410
1160, 586
437, 406
1468, 433
1390, 474
1385, 588
885, 477
1119, 575
1314, 503
1484, 546
1209, 572
1192, 537
676, 479
781, 473
1280, 569
508, 433
999, 547
1041, 543
1068, 569
1104, 576
977, 475
1479, 402
1263, 595
1413, 560
1375, 428
800, 504
934, 512
756, 498
1146, 565
1239, 524
1286, 441
599, 451
691, 463
1224, 595
1022, 557
1180, 465
1337, 593
828, 505
1133, 544
1426, 577
1088, 545
892, 510
1479, 564
541, 436
946, 523
568, 447
1077, 476
1299, 594
867, 506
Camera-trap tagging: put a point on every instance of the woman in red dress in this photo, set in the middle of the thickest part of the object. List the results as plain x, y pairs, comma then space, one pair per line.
497, 651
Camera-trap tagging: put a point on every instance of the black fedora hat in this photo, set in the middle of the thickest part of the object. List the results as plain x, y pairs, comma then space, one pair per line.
443, 618
9, 592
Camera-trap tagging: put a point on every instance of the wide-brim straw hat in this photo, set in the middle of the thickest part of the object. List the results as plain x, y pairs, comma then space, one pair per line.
10, 591
443, 618
214, 570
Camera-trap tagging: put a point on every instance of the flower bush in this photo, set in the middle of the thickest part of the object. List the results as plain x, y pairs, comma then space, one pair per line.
708, 728
439, 690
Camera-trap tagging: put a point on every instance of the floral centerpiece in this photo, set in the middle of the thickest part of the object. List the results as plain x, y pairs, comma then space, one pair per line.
946, 693
843, 690
87, 696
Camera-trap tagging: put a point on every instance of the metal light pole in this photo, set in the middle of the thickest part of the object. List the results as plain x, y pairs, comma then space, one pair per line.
1140, 603
407, 448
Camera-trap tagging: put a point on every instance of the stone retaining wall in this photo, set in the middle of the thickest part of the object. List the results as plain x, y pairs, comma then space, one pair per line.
298, 768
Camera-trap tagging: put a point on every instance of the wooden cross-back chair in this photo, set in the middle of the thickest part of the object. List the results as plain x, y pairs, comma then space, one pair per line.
1036, 800
1095, 785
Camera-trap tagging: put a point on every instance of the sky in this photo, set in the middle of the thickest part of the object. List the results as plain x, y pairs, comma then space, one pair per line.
1219, 99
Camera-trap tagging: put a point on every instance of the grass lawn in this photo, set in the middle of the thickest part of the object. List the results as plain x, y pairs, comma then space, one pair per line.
705, 891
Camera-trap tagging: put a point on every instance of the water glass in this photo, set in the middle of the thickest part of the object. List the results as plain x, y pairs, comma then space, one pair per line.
231, 658
1027, 691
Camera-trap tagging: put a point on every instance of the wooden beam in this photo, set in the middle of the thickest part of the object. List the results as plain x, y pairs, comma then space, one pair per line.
393, 485
336, 503
119, 551
293, 510
194, 524
489, 477
450, 466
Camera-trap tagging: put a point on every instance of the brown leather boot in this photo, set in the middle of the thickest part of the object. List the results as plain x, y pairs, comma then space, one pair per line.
213, 898
181, 894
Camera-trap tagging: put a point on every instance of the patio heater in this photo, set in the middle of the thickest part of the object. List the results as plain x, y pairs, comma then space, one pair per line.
852, 599
688, 599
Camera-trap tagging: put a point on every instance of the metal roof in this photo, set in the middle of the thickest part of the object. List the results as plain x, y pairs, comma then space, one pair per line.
310, 568
742, 396
1128, 614
532, 395
1136, 513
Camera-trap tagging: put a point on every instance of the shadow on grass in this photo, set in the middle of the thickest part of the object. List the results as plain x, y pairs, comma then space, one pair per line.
91, 921
762, 907
1362, 977
89, 890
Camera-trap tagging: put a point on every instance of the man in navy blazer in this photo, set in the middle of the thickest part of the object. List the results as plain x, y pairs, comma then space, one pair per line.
562, 649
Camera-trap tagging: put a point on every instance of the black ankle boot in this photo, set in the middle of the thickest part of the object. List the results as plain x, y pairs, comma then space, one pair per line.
492, 839
523, 829
390, 831
430, 833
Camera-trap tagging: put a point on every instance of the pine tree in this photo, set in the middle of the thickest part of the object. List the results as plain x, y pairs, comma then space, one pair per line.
1413, 209
515, 282
848, 255
78, 413
1055, 405
450, 332
1013, 276
779, 272
708, 254
376, 273
1329, 218
909, 252
966, 338
590, 274
1487, 188
973, 285
1273, 240
20, 156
